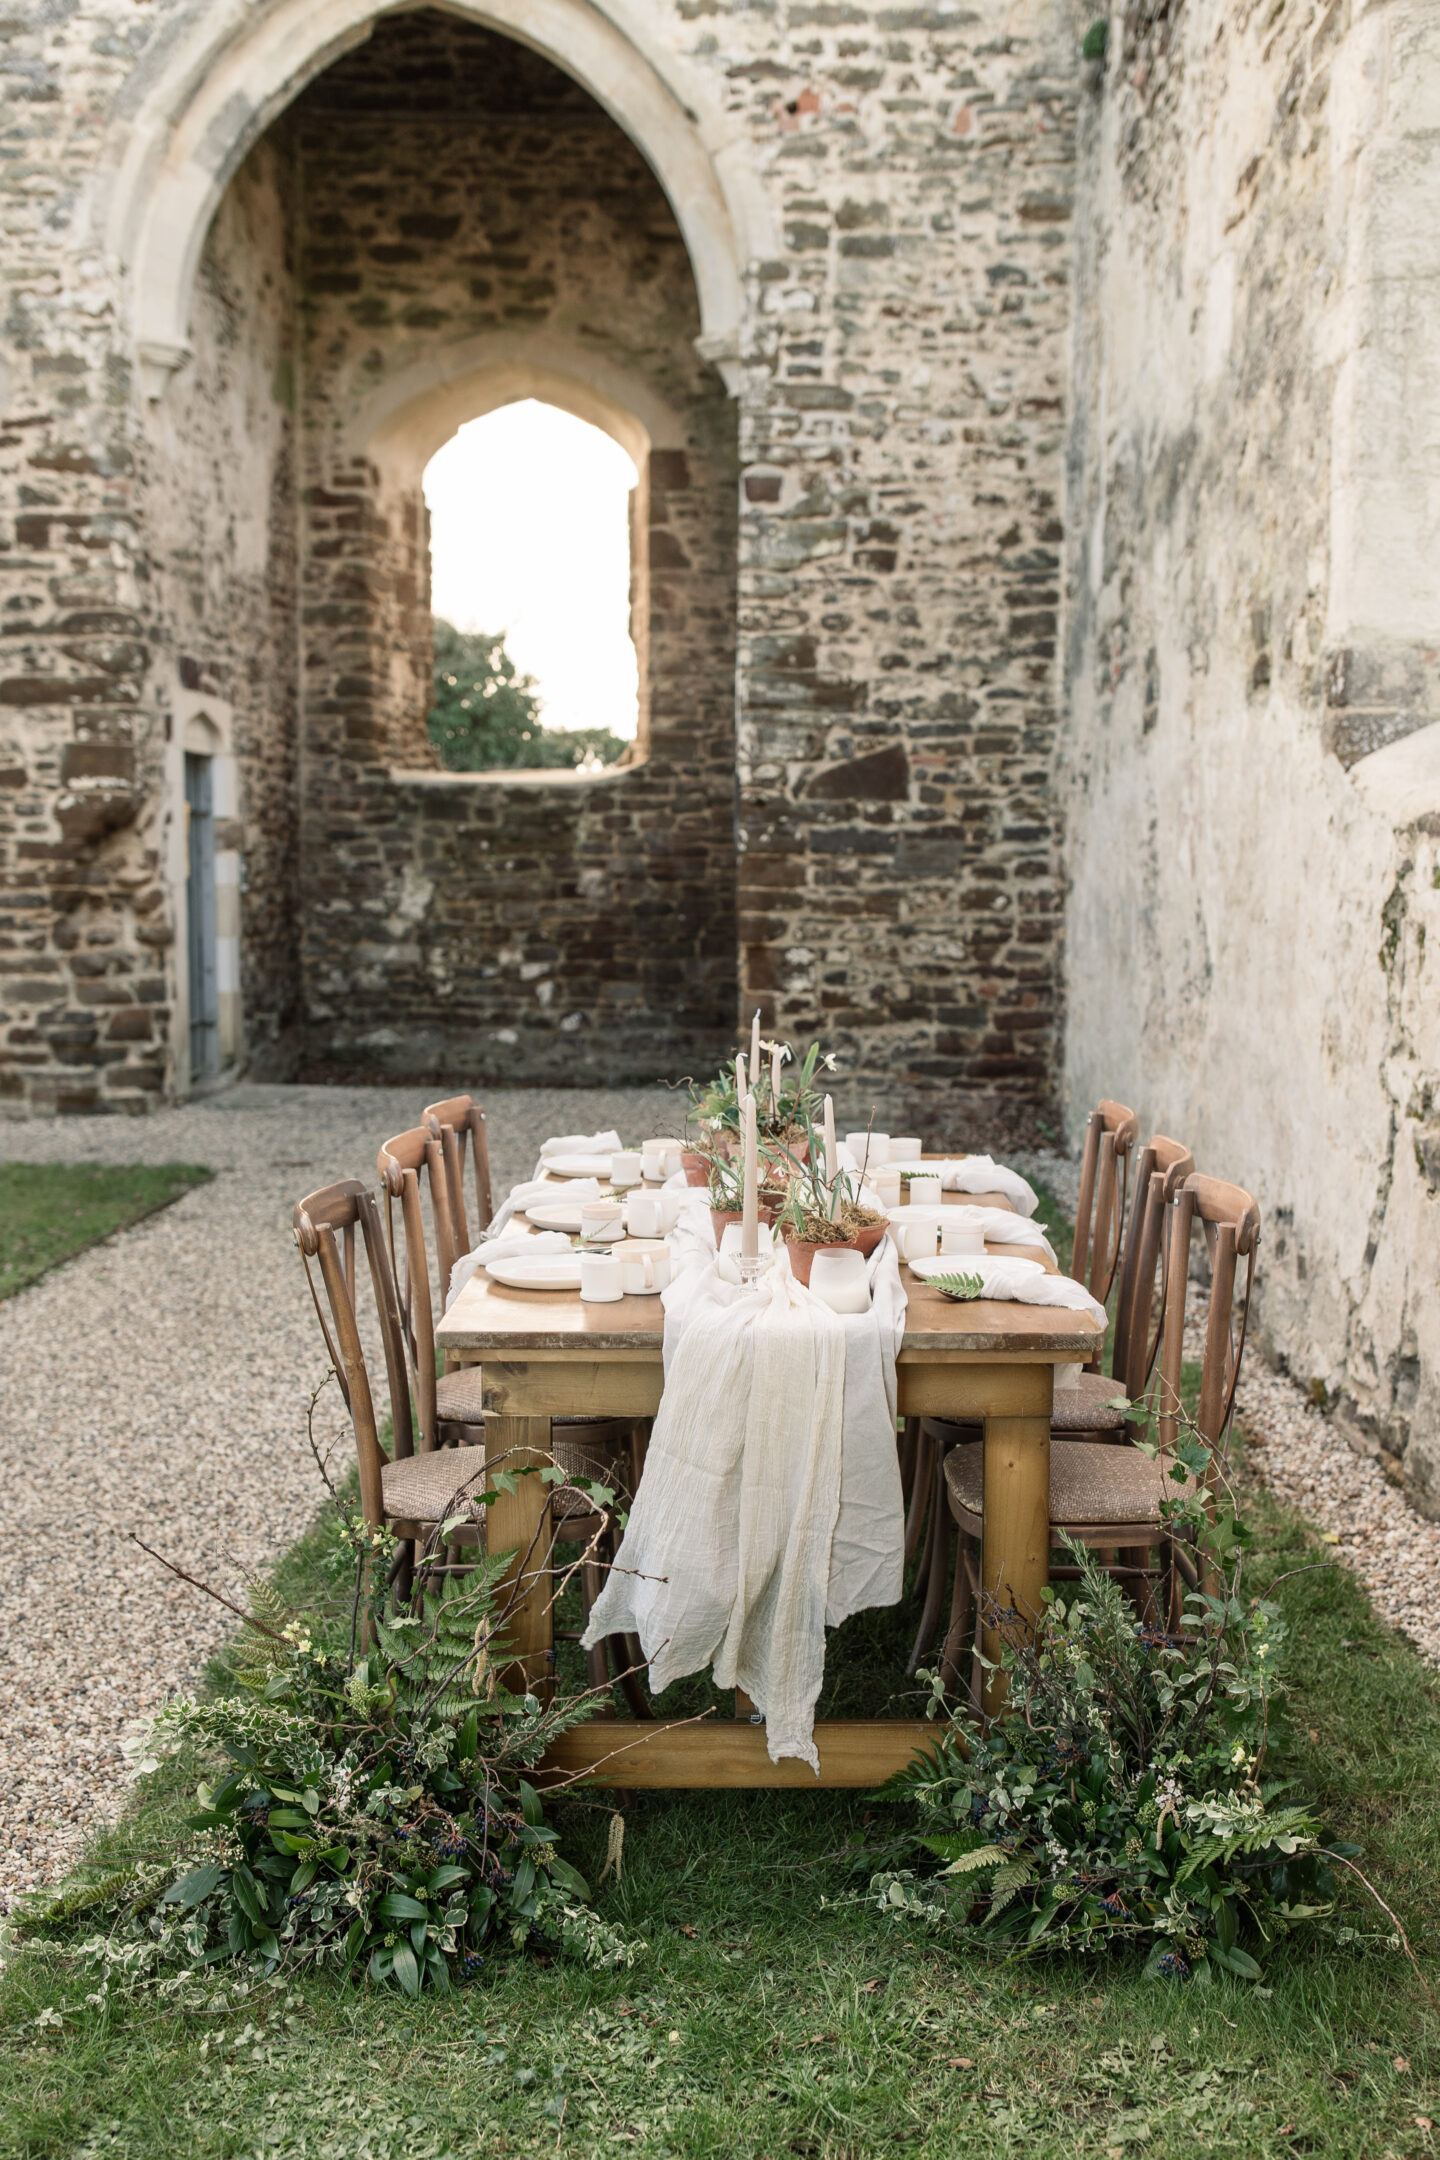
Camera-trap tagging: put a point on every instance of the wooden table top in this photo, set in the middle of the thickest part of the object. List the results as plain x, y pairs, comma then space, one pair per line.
493, 1321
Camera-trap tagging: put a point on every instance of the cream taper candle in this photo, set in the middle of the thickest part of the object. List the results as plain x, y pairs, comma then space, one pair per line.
750, 1211
742, 1085
755, 1047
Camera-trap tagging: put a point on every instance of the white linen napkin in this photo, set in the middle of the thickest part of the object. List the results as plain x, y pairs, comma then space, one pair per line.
966, 1173
1021, 1282
770, 1505
540, 1187
502, 1248
999, 1226
591, 1143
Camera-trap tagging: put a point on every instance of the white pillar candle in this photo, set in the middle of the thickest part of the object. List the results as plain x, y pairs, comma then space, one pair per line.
741, 1090
755, 1047
750, 1214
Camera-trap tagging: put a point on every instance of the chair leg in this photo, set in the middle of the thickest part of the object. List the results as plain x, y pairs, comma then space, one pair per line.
936, 1568
597, 1665
917, 1515
953, 1650
905, 1448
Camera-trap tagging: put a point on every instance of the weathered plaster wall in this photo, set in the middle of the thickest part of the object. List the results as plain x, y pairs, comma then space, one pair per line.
1252, 616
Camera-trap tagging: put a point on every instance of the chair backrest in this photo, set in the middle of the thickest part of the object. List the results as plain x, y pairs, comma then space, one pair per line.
1231, 1222
1110, 1133
457, 1119
325, 1225
402, 1162
1161, 1167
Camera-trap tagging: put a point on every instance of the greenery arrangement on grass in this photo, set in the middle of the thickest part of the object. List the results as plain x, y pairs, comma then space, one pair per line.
486, 714
51, 1211
370, 1814
1121, 1795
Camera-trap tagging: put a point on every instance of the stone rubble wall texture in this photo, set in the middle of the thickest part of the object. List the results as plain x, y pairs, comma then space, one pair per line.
899, 418
1250, 774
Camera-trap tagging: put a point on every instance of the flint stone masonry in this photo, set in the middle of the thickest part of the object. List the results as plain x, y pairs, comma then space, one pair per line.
874, 517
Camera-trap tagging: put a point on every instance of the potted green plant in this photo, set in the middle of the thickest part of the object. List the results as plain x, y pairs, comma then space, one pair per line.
819, 1216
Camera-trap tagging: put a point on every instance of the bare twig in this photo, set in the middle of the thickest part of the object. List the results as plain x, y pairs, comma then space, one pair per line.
1394, 1922
260, 1626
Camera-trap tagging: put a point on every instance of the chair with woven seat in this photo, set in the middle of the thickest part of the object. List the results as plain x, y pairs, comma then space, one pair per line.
1096, 1402
457, 1121
450, 1408
412, 1492
1110, 1498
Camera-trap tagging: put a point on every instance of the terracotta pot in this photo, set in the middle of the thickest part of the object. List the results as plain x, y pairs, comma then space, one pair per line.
723, 1216
697, 1170
801, 1254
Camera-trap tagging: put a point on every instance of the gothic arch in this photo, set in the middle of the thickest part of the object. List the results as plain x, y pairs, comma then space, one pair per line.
224, 75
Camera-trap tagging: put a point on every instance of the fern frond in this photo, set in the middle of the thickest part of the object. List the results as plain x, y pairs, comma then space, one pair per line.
982, 1857
1008, 1882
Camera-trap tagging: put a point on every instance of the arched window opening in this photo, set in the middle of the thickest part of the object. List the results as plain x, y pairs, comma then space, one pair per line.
533, 594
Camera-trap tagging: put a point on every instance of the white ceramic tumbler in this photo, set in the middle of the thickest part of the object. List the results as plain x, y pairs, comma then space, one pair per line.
924, 1191
627, 1168
962, 1238
870, 1149
600, 1279
840, 1280
903, 1151
601, 1221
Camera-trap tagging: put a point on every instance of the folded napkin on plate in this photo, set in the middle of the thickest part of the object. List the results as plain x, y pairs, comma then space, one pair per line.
770, 1507
502, 1248
997, 1225
581, 1143
541, 1187
1023, 1282
981, 1173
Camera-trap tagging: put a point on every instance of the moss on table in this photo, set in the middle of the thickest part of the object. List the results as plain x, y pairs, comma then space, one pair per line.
51, 1211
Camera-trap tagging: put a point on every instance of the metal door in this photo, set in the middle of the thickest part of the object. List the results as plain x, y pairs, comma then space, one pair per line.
200, 908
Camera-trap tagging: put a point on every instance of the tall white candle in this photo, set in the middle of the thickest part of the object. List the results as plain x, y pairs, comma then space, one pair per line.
742, 1088
750, 1214
832, 1165
777, 1059
755, 1047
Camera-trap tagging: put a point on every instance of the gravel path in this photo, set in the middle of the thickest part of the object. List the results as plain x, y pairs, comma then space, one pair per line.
158, 1383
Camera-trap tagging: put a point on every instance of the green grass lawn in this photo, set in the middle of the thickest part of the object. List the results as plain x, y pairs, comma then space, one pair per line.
51, 1211
773, 2014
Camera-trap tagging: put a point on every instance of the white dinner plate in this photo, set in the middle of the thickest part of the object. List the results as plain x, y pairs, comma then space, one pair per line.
547, 1271
596, 1166
959, 1263
555, 1215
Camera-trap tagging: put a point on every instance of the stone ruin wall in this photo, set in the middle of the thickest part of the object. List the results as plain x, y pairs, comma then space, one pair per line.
900, 413
1251, 771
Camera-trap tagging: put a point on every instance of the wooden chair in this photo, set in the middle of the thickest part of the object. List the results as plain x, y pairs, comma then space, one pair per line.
1110, 1497
1110, 1133
458, 1119
1090, 1406
450, 1407
412, 1493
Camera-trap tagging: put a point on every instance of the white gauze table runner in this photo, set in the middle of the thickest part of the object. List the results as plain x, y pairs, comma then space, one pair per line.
770, 1507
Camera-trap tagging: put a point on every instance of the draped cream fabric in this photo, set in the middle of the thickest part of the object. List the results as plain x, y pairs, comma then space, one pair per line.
770, 1505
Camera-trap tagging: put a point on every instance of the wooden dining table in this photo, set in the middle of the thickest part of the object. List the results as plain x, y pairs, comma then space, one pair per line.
547, 1354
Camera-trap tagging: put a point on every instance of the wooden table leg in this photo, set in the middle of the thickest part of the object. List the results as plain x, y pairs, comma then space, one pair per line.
1015, 1560
519, 1522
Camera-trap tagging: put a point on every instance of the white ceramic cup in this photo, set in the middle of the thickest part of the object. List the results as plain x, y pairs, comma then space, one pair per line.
600, 1279
839, 1280
903, 1151
672, 1206
915, 1238
962, 1238
627, 1168
645, 1214
644, 1268
661, 1159
886, 1186
870, 1150
924, 1191
601, 1221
